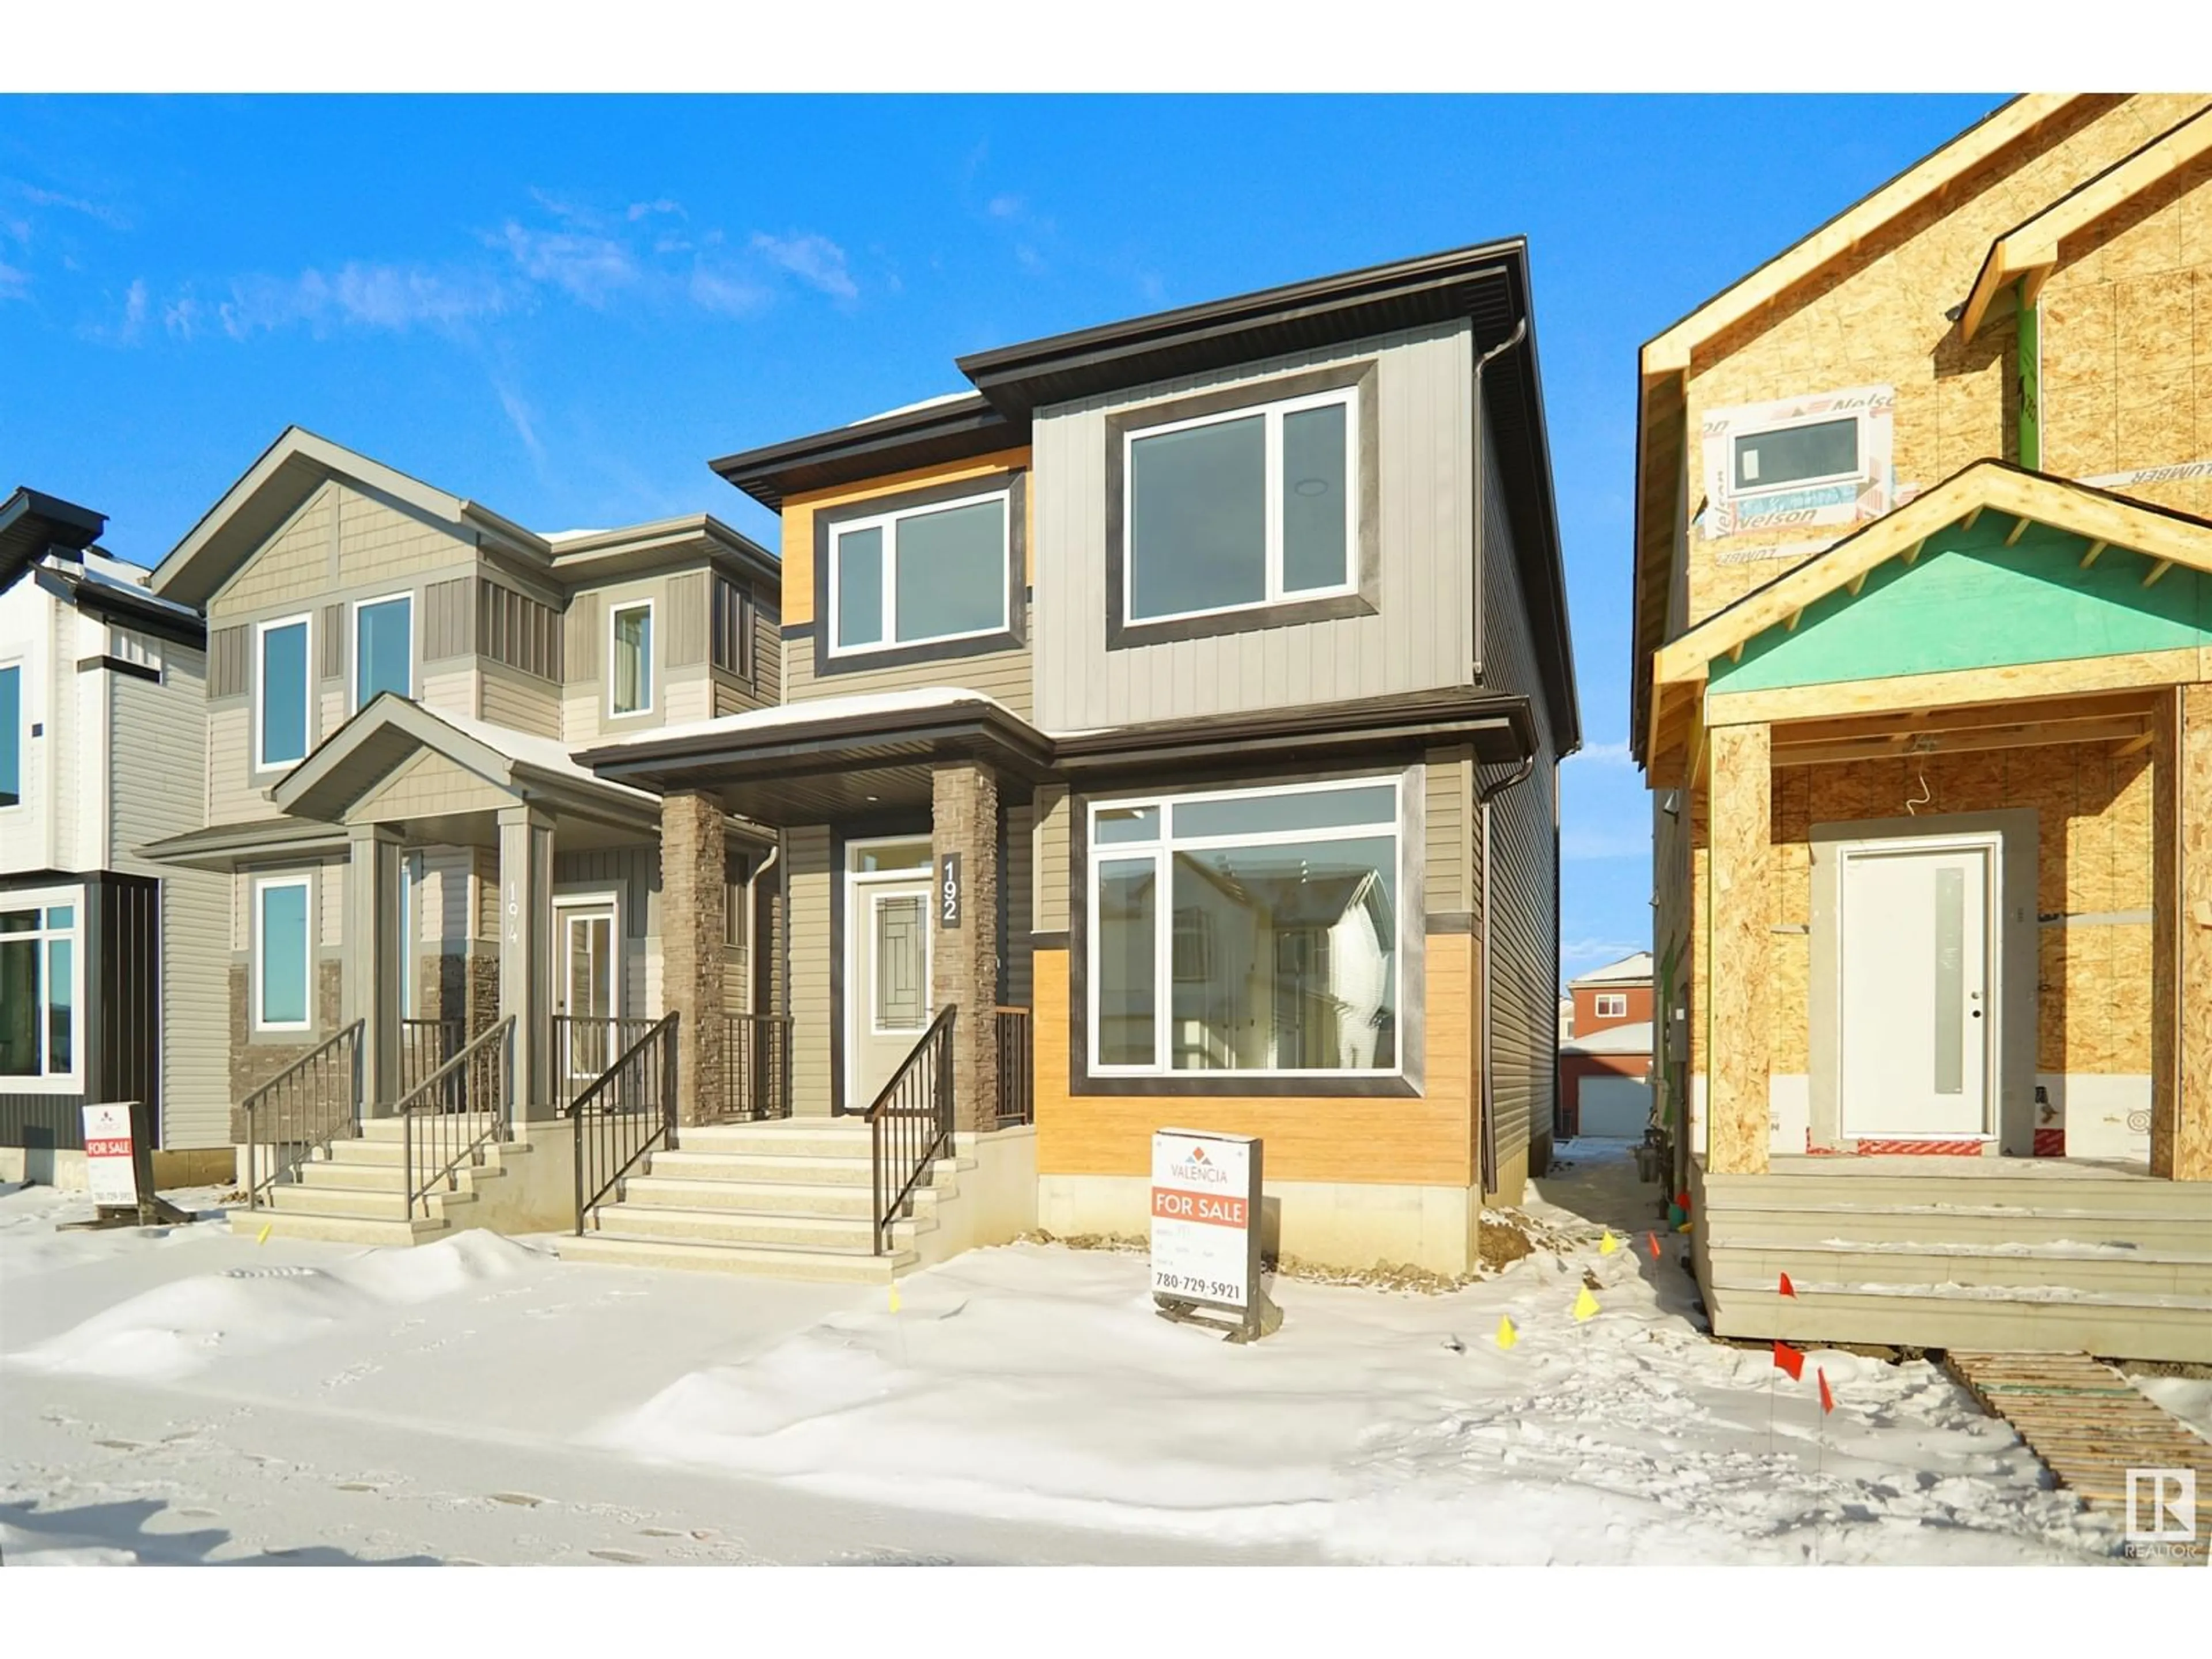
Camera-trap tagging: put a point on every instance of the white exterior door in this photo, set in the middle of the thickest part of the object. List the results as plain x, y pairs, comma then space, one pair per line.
888, 919
585, 993
1918, 1004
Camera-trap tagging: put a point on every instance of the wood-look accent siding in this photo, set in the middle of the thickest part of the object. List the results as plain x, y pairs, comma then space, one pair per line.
1417, 639
811, 951
1004, 675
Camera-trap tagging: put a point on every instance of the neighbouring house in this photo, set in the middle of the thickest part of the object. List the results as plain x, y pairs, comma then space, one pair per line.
432, 924
105, 957
1605, 1066
1923, 643
1168, 739
1566, 1017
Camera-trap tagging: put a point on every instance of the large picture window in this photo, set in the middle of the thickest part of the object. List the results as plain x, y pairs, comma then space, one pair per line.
939, 572
1250, 507
384, 648
11, 735
282, 716
1254, 933
282, 959
40, 989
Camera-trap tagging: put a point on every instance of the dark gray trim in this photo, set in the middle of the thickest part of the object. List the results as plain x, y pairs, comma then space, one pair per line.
1122, 632
136, 670
1013, 637
1054, 940
1449, 922
937, 434
109, 601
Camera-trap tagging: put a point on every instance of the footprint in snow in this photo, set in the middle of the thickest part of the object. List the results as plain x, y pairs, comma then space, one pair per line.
122, 1445
622, 1558
356, 1485
522, 1499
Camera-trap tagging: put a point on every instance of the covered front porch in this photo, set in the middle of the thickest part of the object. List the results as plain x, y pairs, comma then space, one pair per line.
1943, 1042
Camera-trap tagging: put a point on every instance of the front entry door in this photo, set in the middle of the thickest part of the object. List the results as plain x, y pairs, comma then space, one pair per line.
586, 993
1918, 999
887, 988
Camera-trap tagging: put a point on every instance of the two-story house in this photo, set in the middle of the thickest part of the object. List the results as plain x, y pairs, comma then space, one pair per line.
1168, 739
1924, 691
416, 868
104, 956
1605, 1062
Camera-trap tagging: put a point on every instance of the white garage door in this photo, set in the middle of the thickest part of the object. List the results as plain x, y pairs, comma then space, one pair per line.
1617, 1106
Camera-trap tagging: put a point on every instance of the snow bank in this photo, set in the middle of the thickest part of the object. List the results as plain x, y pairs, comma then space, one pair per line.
1036, 1384
176, 1330
19, 1548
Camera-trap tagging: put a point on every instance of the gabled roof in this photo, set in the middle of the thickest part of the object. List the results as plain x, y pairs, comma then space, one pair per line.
1632, 969
1634, 1039
288, 472
2030, 250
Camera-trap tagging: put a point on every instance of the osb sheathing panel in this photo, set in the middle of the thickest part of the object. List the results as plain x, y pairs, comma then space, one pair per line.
1737, 1118
1880, 320
2191, 1158
2166, 931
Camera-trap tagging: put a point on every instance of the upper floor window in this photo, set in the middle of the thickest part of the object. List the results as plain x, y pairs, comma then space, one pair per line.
1249, 507
11, 735
282, 715
40, 987
939, 572
732, 642
1611, 1006
1823, 451
630, 664
384, 648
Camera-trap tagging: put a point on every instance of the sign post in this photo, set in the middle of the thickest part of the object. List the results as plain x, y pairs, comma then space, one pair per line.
1206, 1232
118, 1161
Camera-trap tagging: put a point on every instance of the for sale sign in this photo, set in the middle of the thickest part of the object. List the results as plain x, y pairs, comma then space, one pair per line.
1206, 1223
111, 1156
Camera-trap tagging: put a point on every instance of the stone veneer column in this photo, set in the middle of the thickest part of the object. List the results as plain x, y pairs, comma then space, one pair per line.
372, 945
964, 958
525, 953
693, 875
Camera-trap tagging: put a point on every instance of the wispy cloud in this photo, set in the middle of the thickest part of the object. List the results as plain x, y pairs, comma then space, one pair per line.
1603, 753
1575, 951
14, 284
725, 292
648, 210
357, 295
520, 416
812, 257
106, 216
1003, 207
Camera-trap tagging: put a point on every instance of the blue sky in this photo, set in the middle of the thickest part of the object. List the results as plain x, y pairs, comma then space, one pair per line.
562, 307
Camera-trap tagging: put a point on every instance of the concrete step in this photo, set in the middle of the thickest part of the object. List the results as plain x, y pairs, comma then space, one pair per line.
2173, 1329
2015, 1186
769, 1197
2089, 1270
387, 1128
340, 1201
847, 1232
380, 1177
784, 1171
759, 1261
783, 1138
1890, 1224
336, 1229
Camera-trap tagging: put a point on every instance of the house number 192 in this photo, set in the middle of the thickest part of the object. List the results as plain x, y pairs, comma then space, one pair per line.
948, 890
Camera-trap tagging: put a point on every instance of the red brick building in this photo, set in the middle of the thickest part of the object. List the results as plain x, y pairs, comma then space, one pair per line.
1605, 1067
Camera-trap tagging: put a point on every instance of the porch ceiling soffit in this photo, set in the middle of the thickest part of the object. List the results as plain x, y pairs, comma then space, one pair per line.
2116, 553
1500, 726
1664, 362
2031, 250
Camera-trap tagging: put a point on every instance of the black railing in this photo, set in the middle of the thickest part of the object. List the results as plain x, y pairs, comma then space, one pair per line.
585, 1045
756, 1066
452, 1115
425, 1045
303, 1109
1016, 1104
627, 1112
910, 1124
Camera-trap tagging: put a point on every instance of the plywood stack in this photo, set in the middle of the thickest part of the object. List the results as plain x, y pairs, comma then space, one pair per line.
2089, 1426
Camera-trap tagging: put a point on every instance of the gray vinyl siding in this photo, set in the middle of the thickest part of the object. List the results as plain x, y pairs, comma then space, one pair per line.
506, 696
149, 725
1524, 873
632, 875
1417, 639
811, 952
1004, 675
1449, 803
1016, 889
1048, 896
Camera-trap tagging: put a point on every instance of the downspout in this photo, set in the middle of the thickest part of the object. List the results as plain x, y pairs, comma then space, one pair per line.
1482, 483
752, 914
1483, 795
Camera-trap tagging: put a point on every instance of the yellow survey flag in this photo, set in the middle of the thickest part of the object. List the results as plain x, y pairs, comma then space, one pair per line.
1608, 1244
1585, 1304
1684, 1228
895, 1301
263, 1239
1507, 1336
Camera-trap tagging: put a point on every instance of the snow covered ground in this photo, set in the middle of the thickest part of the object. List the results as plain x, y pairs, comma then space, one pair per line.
187, 1395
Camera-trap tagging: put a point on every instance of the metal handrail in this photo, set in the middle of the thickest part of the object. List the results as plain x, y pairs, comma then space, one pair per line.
425, 1045
439, 1115
626, 1121
1016, 1079
910, 1123
319, 1125
756, 1066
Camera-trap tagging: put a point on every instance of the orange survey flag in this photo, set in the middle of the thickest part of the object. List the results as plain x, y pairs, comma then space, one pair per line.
1653, 1239
1827, 1399
1788, 1289
1789, 1359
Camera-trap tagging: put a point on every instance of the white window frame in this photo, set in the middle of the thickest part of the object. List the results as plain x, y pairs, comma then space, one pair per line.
615, 613
354, 641
1161, 850
888, 522
1858, 417
261, 632
43, 899
1609, 1005
305, 883
1274, 412
23, 730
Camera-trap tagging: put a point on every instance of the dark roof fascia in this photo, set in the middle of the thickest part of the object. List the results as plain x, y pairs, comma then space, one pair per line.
1501, 726
983, 731
937, 435
32, 522
110, 602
